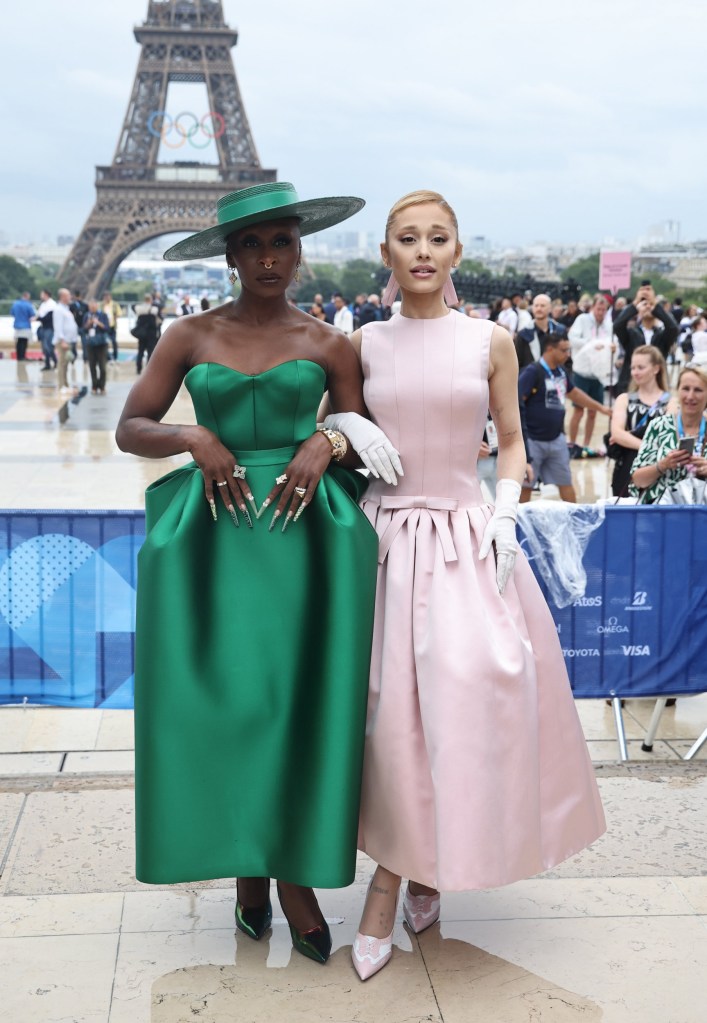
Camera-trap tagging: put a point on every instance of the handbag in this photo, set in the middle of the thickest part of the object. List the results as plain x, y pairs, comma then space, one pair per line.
617, 451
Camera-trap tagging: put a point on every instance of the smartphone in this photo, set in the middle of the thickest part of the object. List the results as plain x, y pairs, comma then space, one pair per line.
687, 444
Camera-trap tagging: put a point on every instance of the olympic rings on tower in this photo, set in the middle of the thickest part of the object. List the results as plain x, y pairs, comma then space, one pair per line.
211, 126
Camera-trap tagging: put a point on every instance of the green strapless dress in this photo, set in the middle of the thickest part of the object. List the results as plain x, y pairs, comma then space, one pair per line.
252, 654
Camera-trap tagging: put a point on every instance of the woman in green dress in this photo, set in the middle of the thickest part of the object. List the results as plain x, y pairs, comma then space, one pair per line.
255, 587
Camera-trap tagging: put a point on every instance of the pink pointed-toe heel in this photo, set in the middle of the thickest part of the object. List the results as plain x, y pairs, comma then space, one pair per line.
369, 954
421, 911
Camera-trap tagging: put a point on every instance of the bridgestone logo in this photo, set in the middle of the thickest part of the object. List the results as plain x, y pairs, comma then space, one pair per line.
579, 653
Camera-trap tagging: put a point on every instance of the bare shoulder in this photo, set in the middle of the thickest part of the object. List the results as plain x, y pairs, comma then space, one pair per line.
336, 348
503, 352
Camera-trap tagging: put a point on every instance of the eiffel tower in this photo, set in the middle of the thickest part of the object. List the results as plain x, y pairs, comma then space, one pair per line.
138, 198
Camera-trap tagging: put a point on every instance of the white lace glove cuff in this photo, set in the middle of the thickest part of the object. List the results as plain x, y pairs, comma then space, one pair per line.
370, 443
501, 531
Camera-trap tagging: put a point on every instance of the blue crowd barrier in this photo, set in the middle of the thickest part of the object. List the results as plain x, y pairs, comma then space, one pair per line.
67, 606
641, 627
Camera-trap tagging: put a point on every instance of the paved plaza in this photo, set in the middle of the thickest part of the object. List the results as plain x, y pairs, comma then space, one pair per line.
617, 934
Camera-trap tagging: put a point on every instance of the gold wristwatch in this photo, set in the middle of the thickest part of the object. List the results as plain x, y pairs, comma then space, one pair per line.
339, 447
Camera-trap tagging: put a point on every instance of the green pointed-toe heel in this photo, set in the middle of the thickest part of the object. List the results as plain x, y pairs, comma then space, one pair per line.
253, 920
315, 943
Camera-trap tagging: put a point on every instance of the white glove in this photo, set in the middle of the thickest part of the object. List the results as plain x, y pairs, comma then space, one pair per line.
501, 530
370, 443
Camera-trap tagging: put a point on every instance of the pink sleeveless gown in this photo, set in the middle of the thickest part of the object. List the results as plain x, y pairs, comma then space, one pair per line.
476, 771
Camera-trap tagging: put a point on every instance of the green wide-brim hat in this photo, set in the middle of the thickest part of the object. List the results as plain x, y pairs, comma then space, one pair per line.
273, 201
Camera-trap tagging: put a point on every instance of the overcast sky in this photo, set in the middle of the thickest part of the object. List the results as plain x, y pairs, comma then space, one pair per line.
545, 120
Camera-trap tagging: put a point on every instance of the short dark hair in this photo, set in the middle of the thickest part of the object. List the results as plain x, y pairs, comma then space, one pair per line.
553, 340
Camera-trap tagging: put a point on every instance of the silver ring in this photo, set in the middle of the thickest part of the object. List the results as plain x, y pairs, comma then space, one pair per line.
224, 484
300, 491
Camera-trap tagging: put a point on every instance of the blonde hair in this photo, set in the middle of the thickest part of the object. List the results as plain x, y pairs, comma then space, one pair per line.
699, 371
417, 198
656, 358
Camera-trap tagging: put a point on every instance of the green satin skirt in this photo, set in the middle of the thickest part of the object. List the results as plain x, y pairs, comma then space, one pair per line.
252, 661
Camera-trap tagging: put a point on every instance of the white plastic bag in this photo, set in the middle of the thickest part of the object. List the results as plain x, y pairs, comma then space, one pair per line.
556, 537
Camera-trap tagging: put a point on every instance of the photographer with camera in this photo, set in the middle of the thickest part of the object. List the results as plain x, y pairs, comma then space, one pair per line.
96, 330
654, 326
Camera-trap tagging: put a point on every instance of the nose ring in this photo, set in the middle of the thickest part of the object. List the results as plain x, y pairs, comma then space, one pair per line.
268, 266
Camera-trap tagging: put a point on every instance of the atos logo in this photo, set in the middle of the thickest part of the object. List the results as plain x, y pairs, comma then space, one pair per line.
587, 602
612, 626
636, 651
585, 652
639, 602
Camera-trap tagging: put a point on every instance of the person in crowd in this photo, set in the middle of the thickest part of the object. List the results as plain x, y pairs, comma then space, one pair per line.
330, 309
686, 326
570, 314
253, 630
158, 303
358, 302
648, 396
508, 317
79, 308
23, 313
113, 312
370, 311
673, 447
66, 334
699, 342
343, 317
525, 319
585, 302
94, 329
475, 769
676, 309
618, 307
45, 331
557, 310
593, 350
145, 330
529, 341
317, 311
654, 326
543, 388
204, 304
185, 307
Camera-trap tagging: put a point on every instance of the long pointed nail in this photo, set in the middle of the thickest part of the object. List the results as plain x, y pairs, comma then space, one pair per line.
234, 515
264, 505
246, 515
275, 517
251, 501
300, 510
288, 519
214, 516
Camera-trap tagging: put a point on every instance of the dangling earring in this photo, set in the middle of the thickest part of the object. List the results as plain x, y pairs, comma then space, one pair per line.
233, 276
297, 273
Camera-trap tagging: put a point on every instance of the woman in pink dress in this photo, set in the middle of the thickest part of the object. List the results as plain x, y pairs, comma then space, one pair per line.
476, 771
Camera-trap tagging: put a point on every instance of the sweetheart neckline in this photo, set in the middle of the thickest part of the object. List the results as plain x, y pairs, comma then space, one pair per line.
252, 376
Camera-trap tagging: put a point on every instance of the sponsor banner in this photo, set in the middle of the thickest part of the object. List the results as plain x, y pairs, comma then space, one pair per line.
640, 629
67, 606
